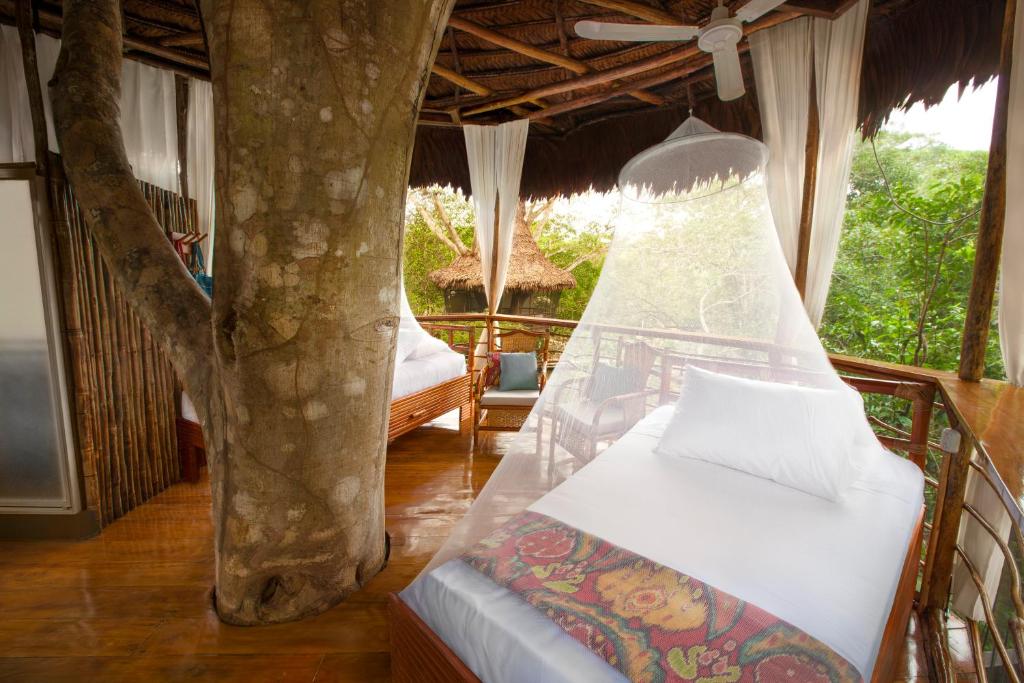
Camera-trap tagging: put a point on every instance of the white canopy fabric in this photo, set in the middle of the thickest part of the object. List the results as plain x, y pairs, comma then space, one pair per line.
782, 70
694, 278
147, 111
200, 160
838, 54
1011, 288
495, 168
16, 143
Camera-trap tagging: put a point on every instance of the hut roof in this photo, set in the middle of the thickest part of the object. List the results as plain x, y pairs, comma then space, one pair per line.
529, 270
501, 50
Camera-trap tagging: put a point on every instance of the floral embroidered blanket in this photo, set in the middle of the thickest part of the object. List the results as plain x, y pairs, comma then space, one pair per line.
648, 621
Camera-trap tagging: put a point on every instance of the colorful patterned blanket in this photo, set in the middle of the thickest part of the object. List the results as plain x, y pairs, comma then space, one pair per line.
648, 621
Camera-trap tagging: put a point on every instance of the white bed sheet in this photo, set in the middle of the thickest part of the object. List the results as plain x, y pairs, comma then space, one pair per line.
831, 569
417, 374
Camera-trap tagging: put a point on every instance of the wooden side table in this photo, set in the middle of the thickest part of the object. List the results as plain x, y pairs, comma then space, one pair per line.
191, 449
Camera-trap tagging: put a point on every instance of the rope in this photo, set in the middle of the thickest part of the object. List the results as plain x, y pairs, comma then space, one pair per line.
895, 202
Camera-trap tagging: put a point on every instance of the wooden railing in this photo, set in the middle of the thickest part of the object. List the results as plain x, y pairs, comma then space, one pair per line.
918, 412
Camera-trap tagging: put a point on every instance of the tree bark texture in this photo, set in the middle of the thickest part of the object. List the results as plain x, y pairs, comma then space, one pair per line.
315, 106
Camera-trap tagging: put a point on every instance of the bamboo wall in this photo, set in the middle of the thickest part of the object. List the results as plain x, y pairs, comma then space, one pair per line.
124, 388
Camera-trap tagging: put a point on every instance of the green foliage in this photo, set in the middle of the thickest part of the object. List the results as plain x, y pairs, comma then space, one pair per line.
424, 253
900, 284
567, 237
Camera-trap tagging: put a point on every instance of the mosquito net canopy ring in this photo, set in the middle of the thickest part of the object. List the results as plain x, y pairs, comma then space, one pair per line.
694, 278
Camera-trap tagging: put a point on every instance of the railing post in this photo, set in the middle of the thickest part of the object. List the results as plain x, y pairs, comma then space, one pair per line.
949, 504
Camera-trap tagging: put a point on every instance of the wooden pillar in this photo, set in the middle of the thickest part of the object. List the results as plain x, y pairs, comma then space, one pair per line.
181, 120
493, 300
803, 245
26, 35
988, 245
938, 571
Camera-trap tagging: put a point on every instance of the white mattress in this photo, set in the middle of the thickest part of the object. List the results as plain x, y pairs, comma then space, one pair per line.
830, 569
418, 374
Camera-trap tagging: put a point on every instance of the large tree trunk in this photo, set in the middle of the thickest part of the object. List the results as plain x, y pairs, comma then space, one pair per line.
316, 106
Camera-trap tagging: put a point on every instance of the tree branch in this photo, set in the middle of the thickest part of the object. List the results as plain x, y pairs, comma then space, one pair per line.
600, 251
86, 93
460, 247
436, 229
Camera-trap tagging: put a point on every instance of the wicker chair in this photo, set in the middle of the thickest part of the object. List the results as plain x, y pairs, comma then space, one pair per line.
505, 411
579, 423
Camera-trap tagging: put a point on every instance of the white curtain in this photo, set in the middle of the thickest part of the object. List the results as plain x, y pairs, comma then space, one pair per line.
782, 71
148, 123
200, 160
838, 52
147, 111
16, 143
1011, 287
495, 167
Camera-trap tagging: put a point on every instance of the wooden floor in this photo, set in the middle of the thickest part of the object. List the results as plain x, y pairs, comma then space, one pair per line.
134, 603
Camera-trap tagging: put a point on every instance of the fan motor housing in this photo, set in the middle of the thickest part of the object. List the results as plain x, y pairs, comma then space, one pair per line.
720, 34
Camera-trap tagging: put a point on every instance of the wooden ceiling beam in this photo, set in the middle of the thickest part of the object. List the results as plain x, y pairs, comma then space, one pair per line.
638, 10
540, 54
184, 40
480, 89
651, 81
688, 51
826, 9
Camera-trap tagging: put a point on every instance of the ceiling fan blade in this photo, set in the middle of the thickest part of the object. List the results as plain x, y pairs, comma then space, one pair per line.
754, 9
728, 73
596, 30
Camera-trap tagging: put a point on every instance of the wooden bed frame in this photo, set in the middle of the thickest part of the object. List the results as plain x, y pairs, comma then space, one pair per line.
416, 409
418, 655
419, 408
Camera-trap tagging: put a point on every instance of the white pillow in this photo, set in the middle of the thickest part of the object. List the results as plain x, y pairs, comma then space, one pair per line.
804, 438
429, 345
408, 340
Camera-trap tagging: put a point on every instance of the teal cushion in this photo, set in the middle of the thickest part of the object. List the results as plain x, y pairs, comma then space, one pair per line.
518, 371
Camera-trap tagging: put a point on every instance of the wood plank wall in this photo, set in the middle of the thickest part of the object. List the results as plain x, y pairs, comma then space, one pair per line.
124, 388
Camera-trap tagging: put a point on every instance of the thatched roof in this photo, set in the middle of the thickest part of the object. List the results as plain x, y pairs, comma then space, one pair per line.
915, 50
529, 270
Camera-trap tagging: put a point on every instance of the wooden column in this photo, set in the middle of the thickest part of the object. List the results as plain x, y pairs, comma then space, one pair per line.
493, 300
803, 244
26, 35
988, 246
181, 119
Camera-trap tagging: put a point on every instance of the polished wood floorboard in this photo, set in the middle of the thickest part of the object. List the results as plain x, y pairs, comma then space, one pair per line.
134, 603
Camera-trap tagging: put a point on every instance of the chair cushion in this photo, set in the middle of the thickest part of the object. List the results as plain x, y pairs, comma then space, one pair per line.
524, 398
518, 371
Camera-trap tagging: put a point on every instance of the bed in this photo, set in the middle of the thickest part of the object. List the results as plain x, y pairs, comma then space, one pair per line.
426, 385
811, 566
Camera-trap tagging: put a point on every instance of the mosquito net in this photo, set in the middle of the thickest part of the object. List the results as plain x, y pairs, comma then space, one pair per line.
695, 276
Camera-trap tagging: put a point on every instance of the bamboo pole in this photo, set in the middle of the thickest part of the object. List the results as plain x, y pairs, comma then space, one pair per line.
803, 245
638, 10
181, 122
538, 53
989, 243
688, 51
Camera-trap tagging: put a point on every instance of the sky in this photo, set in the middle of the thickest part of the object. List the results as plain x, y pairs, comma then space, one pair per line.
964, 123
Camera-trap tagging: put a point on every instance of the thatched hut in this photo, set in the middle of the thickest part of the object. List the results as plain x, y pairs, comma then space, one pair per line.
533, 286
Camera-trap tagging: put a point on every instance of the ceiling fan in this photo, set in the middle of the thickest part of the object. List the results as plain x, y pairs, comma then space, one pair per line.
720, 37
